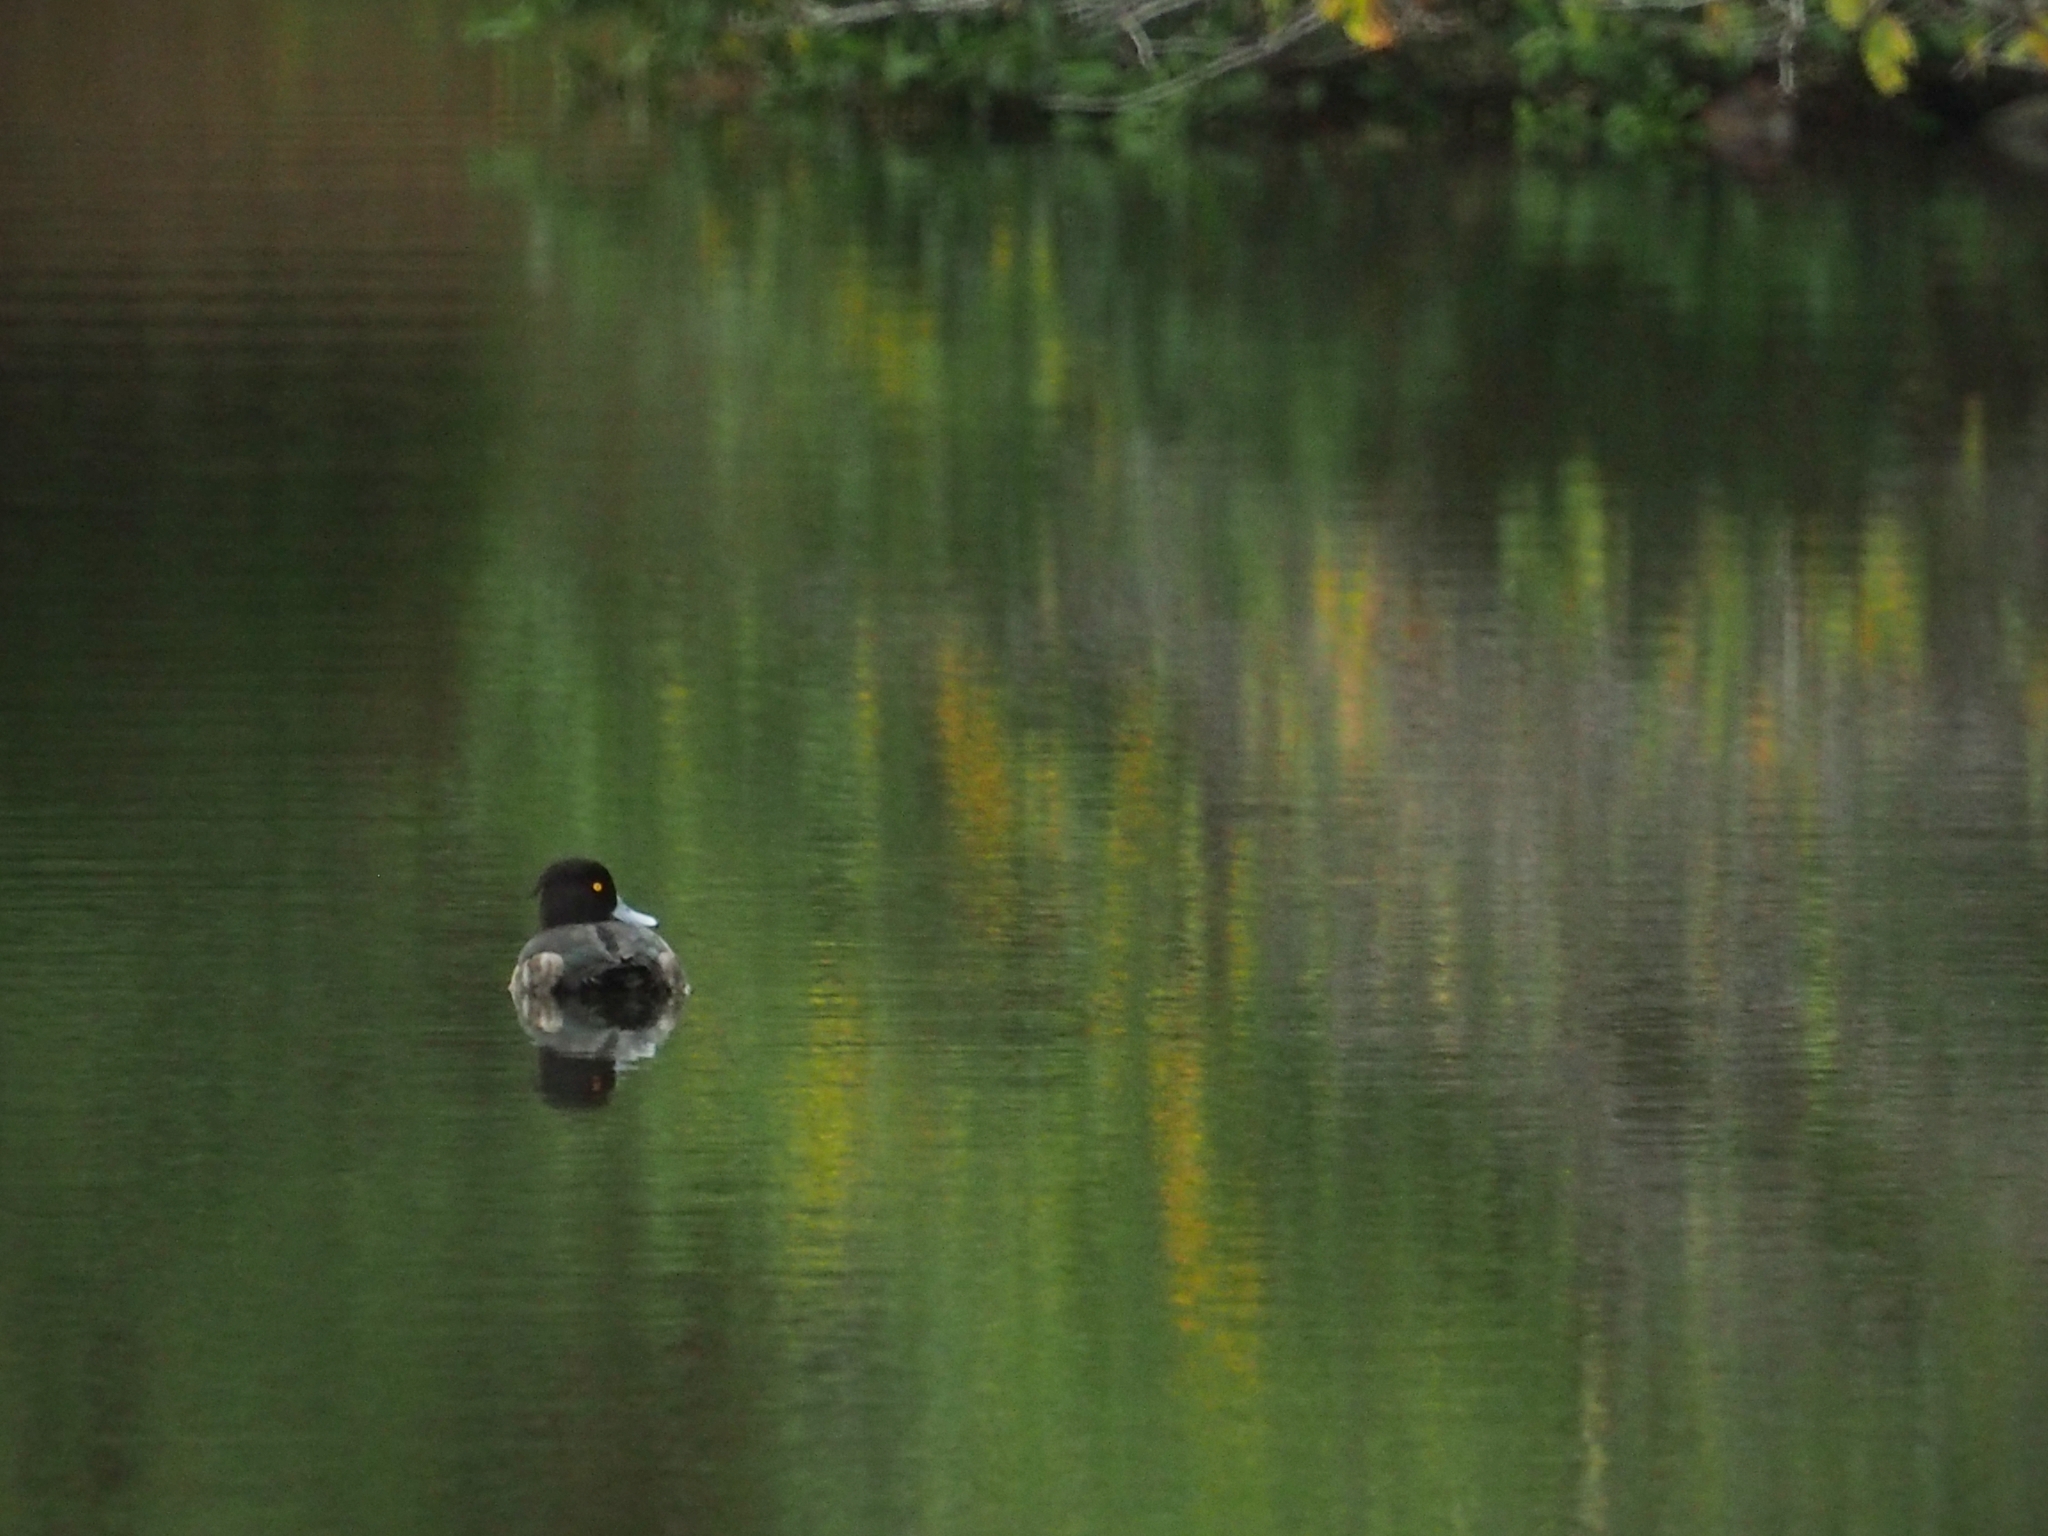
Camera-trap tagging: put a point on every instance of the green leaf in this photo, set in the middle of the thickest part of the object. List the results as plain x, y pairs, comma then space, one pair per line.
1848, 14
1887, 49
902, 65
1088, 77
505, 27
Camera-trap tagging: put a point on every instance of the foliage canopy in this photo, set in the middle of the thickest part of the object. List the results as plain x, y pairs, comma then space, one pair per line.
1626, 76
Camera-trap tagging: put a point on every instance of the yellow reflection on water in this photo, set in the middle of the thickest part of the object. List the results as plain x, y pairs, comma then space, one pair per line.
1126, 850
975, 756
1345, 601
888, 336
1214, 1283
1891, 600
825, 1094
1558, 551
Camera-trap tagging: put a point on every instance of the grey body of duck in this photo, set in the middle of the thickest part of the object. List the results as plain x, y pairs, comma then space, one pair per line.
591, 943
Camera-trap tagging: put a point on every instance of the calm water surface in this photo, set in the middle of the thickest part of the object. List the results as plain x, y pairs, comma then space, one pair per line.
1363, 840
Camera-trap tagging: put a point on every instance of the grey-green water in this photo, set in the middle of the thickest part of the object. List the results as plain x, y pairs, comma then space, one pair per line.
1363, 840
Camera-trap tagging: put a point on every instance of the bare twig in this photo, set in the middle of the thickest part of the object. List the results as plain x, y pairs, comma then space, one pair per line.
1152, 10
1140, 43
1788, 47
1129, 17
859, 14
1298, 26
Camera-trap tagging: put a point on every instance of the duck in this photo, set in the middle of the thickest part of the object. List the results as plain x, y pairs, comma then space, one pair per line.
591, 943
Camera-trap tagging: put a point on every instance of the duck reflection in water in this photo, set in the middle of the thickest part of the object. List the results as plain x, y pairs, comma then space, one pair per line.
596, 988
585, 1042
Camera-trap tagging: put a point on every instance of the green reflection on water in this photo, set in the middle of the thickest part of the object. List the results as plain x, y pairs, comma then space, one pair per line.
1371, 940
1360, 845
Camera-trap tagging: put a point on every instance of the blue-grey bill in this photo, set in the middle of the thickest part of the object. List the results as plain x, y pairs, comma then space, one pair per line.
626, 914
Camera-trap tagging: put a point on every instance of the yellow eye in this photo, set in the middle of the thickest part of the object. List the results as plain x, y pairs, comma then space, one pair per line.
597, 885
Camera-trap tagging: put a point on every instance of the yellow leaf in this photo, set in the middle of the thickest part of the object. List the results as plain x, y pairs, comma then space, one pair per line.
1371, 32
2034, 42
1887, 49
1364, 21
1730, 28
1848, 14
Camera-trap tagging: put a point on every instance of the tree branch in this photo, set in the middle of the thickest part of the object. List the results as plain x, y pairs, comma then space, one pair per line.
1298, 26
859, 14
